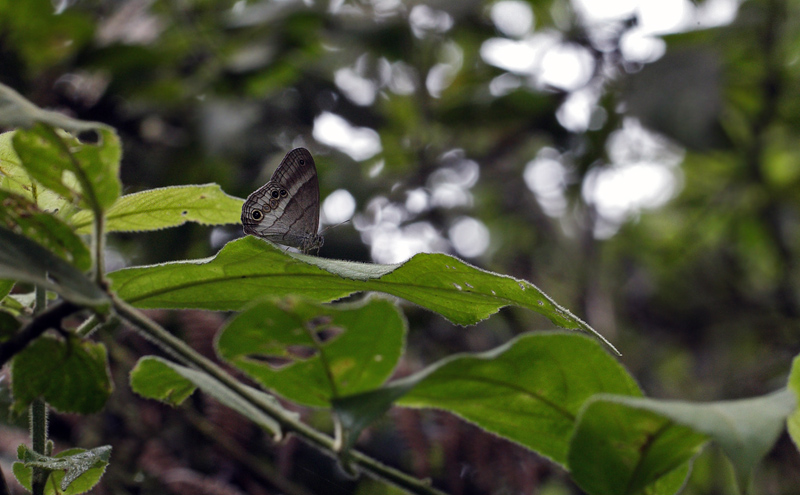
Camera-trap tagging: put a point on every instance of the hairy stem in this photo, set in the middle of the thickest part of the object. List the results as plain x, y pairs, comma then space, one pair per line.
38, 411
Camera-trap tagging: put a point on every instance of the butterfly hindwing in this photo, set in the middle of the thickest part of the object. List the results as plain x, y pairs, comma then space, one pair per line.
286, 209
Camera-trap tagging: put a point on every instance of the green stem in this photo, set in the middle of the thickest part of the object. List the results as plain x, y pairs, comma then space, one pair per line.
38, 418
94, 324
38, 414
40, 303
98, 248
288, 423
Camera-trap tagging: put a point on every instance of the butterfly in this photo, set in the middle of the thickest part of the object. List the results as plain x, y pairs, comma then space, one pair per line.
286, 209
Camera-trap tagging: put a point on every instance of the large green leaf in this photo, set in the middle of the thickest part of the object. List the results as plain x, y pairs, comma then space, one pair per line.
312, 353
529, 390
71, 376
26, 261
51, 157
25, 218
247, 269
623, 444
159, 379
166, 207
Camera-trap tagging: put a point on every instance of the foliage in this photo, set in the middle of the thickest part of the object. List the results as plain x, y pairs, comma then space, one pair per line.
699, 294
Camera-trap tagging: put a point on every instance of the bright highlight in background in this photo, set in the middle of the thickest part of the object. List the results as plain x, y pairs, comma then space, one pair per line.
338, 207
469, 236
360, 143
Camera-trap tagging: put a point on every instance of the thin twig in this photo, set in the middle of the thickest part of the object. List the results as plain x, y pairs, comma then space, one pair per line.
50, 318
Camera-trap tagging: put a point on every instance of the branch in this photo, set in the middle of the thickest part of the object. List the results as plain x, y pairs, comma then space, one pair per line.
289, 424
50, 318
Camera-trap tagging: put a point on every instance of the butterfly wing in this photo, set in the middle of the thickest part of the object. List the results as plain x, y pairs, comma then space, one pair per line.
286, 209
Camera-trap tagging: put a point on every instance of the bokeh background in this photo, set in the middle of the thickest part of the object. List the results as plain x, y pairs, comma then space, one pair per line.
638, 160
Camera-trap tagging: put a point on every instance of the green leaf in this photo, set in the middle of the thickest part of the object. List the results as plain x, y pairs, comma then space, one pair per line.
74, 471
173, 383
153, 378
15, 179
793, 423
51, 157
16, 111
529, 390
72, 377
25, 218
623, 444
247, 269
26, 261
310, 353
166, 207
5, 287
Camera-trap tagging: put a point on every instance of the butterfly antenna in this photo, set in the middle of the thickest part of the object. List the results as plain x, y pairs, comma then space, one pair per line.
329, 227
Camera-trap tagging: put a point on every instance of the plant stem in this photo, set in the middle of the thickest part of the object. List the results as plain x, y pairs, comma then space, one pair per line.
38, 412
49, 318
98, 248
38, 419
289, 424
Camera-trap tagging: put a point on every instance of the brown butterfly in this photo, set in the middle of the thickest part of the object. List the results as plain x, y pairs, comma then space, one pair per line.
286, 209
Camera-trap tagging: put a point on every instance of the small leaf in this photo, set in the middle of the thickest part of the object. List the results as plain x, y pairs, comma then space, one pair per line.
623, 444
16, 111
328, 351
50, 157
26, 261
155, 379
72, 377
793, 423
25, 218
15, 179
247, 269
5, 287
74, 471
529, 390
166, 207
175, 385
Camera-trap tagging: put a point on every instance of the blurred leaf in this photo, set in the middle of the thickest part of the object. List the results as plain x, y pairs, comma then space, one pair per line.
16, 111
529, 390
159, 379
793, 422
160, 208
15, 179
72, 376
312, 353
27, 219
8, 325
74, 471
26, 261
47, 155
249, 268
5, 287
623, 444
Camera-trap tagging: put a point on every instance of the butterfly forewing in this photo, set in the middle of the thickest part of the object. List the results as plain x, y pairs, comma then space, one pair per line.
286, 209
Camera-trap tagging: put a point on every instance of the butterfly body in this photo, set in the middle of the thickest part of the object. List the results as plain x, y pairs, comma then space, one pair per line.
286, 209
